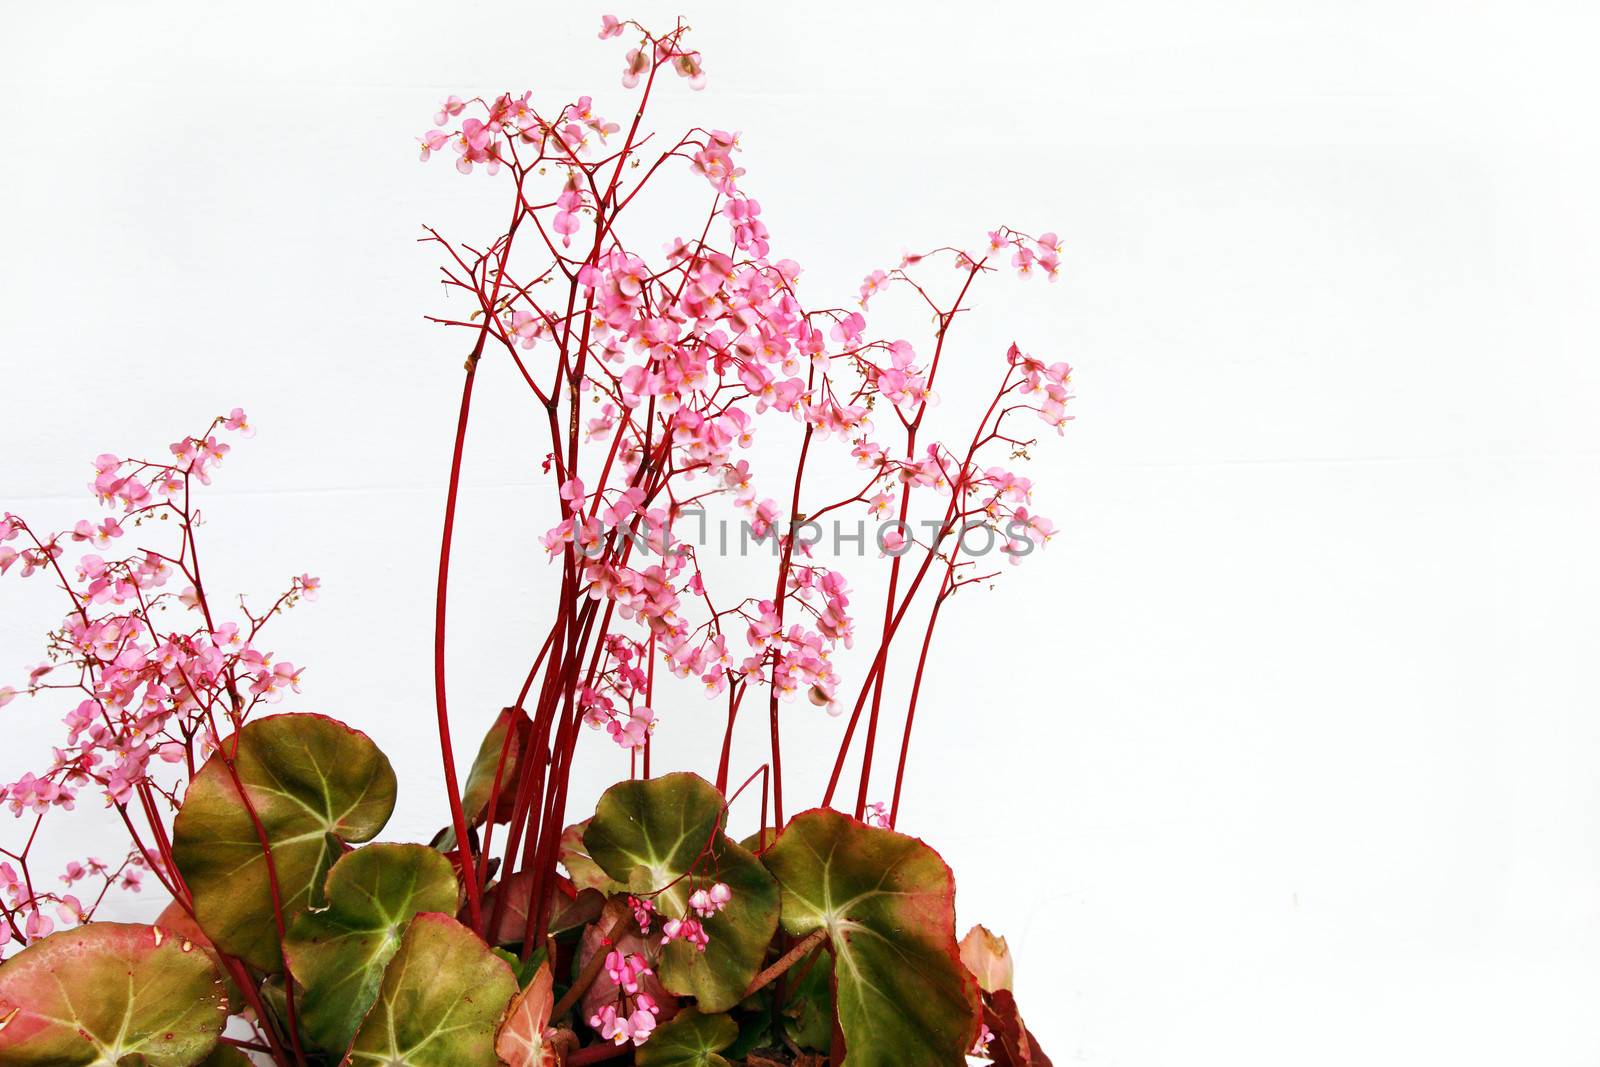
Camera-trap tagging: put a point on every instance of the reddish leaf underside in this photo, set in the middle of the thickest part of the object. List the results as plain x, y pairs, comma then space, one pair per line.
1012, 1045
521, 1040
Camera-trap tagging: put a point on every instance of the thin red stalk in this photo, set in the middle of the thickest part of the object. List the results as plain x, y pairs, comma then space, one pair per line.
905, 603
458, 816
911, 706
888, 612
778, 600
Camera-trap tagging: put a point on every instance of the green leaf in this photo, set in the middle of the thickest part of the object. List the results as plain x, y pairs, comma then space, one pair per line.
313, 782
442, 997
646, 833
225, 1056
665, 834
338, 955
98, 993
692, 1039
887, 902
755, 1031
738, 935
480, 779
760, 839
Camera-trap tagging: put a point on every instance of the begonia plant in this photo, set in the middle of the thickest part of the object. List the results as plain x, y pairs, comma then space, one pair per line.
526, 933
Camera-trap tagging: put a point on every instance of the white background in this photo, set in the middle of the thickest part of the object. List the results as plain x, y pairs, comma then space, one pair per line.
1284, 752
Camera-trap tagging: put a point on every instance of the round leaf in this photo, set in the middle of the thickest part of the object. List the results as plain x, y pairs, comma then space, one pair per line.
98, 993
665, 834
442, 997
646, 833
338, 955
312, 782
690, 1040
738, 934
887, 902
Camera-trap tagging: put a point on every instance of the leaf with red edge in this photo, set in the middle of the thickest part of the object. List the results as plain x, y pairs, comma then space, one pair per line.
480, 779
441, 1001
110, 993
521, 1040
175, 920
312, 782
887, 902
1012, 1045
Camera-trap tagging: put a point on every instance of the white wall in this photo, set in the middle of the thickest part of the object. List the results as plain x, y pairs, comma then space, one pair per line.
1300, 762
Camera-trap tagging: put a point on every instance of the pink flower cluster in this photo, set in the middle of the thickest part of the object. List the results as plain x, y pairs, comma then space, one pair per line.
148, 688
25, 916
616, 1022
675, 359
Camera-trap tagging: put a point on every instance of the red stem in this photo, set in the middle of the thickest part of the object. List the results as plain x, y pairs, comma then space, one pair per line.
458, 817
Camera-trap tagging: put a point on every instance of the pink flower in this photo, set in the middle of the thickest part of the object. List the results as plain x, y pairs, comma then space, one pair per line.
431, 142
239, 423
644, 1021
609, 27
38, 924
643, 912
309, 586
707, 902
872, 285
448, 110
685, 929
687, 64
637, 63
567, 204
